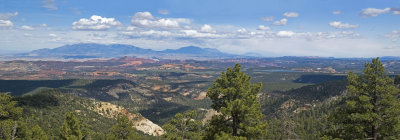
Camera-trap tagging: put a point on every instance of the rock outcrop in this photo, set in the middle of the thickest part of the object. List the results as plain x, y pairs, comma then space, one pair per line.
139, 122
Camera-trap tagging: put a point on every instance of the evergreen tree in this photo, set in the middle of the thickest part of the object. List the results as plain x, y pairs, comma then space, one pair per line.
123, 130
371, 109
73, 128
9, 116
38, 133
183, 126
235, 99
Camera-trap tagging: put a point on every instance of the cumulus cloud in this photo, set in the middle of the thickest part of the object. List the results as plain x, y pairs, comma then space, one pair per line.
6, 16
285, 33
163, 12
262, 27
95, 23
281, 22
336, 12
147, 20
207, 29
373, 12
49, 4
340, 25
267, 19
394, 35
290, 14
6, 23
26, 27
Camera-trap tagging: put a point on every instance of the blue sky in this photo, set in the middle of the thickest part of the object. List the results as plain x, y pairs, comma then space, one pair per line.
339, 28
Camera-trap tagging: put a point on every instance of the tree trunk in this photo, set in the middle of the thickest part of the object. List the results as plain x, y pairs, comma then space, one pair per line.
14, 130
235, 125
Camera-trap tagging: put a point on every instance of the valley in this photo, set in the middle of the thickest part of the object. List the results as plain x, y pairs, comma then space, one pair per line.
151, 91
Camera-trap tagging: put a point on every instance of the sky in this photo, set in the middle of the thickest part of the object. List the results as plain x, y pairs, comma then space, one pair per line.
328, 28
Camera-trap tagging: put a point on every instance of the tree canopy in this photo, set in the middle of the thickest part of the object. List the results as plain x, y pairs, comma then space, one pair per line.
123, 130
371, 108
183, 126
235, 98
73, 128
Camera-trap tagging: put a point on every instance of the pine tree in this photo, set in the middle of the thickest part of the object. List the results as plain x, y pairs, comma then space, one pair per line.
371, 109
235, 99
9, 116
123, 130
183, 126
38, 133
73, 128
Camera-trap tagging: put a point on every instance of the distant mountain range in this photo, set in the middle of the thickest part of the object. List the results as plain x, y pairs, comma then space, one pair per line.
86, 50
93, 50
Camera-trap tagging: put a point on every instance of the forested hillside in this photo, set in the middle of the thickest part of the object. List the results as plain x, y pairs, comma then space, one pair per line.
103, 108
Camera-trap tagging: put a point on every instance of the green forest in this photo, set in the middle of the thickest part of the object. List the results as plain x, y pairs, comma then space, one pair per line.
366, 105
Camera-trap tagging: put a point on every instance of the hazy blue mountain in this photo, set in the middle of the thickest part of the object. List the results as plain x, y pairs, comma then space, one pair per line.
91, 50
194, 50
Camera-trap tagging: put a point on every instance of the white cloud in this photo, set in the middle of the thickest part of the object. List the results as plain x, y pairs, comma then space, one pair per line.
146, 20
267, 19
394, 35
281, 22
95, 23
52, 35
163, 12
207, 29
396, 12
196, 35
262, 27
336, 12
340, 25
49, 4
242, 31
5, 16
26, 27
285, 33
6, 23
143, 15
43, 25
373, 12
290, 14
